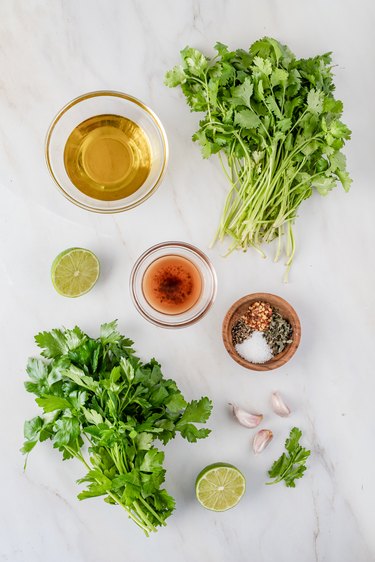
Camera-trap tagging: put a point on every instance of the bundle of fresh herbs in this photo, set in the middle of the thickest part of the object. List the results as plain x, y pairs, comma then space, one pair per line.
96, 392
275, 124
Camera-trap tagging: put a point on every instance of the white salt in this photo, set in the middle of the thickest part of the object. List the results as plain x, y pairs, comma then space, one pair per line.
255, 348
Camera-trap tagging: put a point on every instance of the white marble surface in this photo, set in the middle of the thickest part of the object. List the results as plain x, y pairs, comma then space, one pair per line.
52, 51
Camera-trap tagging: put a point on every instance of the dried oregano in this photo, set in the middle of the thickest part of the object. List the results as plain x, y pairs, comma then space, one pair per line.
279, 333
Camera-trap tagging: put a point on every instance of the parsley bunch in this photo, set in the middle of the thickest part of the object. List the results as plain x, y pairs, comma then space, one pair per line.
97, 393
275, 124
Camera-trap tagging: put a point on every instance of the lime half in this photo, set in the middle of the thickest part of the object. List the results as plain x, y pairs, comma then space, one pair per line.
74, 272
220, 486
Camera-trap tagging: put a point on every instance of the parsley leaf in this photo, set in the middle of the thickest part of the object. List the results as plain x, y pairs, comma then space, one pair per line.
51, 403
289, 467
97, 393
196, 411
53, 343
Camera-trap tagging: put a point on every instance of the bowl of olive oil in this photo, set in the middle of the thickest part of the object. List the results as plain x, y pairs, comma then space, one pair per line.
106, 151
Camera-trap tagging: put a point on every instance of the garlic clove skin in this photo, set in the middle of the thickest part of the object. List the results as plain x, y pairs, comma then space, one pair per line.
261, 440
246, 419
279, 406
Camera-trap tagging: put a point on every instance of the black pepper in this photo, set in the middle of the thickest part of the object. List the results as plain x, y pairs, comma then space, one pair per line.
240, 332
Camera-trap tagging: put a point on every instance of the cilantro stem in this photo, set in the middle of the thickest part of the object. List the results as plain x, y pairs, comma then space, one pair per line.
274, 117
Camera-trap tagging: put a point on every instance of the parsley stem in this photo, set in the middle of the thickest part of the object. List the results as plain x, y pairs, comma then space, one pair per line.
132, 516
148, 506
143, 516
139, 522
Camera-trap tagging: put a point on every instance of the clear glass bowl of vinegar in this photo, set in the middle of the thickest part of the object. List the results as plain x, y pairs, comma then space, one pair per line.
106, 151
173, 284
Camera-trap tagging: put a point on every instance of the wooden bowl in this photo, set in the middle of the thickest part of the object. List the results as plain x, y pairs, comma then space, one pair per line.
284, 308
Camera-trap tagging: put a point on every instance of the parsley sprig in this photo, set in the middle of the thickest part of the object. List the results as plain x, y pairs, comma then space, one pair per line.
291, 465
96, 392
275, 124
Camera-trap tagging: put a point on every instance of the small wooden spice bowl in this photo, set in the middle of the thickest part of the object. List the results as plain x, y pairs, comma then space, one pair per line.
284, 308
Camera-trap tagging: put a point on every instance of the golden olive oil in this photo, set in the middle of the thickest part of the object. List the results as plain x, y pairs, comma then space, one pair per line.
108, 157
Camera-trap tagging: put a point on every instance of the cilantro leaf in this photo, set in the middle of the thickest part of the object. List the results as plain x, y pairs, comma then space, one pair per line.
272, 104
175, 77
247, 119
263, 64
221, 49
315, 101
243, 92
345, 179
195, 62
279, 76
265, 100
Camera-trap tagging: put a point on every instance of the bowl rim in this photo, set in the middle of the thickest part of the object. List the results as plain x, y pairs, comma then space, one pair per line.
116, 94
172, 244
280, 359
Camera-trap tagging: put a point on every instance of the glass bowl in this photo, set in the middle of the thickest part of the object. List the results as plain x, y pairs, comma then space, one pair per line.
208, 278
101, 103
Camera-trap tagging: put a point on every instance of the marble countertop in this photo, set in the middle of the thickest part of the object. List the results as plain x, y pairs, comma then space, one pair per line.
50, 52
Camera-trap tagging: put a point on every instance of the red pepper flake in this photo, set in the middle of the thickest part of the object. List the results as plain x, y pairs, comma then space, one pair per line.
258, 316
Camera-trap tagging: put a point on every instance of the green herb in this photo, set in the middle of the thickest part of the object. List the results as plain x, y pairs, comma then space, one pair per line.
276, 126
95, 392
279, 333
290, 465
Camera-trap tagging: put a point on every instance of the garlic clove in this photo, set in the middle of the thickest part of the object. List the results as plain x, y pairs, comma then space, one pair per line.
246, 418
261, 440
279, 406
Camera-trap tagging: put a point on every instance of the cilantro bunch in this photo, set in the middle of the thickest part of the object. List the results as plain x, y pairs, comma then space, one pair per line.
105, 407
275, 124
